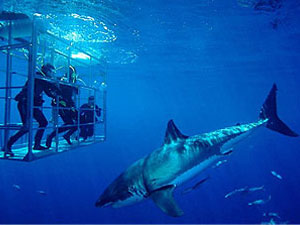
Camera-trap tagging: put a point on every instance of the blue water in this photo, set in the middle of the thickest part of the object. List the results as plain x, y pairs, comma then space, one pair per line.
204, 64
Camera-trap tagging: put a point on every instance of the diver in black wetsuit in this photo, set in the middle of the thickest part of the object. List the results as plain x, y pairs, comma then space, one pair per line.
67, 110
40, 86
87, 114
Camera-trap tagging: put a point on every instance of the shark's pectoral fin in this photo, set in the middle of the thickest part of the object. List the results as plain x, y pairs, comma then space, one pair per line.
164, 199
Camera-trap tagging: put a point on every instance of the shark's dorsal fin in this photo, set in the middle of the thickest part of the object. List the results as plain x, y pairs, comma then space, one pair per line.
172, 133
163, 198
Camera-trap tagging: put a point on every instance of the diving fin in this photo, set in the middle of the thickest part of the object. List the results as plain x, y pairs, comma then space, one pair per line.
164, 199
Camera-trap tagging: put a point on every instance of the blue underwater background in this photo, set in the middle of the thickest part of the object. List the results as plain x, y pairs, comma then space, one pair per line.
206, 65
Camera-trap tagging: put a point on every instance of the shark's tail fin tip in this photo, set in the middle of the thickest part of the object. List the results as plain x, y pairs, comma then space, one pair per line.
269, 111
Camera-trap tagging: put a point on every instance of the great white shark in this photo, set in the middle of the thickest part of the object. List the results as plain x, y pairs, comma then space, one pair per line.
180, 158
21, 25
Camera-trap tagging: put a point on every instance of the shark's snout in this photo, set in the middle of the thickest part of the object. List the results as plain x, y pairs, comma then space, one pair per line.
110, 196
116, 194
103, 202
126, 189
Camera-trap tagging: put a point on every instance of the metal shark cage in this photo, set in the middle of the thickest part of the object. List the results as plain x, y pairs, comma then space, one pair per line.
22, 55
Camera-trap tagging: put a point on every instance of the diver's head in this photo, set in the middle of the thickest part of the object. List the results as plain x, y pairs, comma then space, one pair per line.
91, 100
48, 70
72, 74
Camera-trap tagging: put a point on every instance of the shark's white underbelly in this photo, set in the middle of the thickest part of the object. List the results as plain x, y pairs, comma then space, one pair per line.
194, 171
234, 141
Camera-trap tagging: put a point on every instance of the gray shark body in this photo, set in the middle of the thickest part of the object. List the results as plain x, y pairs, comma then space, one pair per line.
179, 159
20, 25
19, 29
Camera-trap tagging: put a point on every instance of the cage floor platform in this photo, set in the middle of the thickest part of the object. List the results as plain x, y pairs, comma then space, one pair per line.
21, 152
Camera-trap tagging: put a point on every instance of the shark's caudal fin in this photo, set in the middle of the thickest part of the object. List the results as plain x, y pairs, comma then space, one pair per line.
269, 111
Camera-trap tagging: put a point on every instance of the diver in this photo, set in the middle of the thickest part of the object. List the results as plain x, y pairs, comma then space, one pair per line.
67, 106
40, 86
87, 114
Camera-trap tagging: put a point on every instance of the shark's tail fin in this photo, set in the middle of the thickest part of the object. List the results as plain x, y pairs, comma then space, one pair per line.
269, 111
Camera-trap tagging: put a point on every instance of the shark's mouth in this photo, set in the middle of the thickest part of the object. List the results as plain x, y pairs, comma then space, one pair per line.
128, 201
99, 204
119, 203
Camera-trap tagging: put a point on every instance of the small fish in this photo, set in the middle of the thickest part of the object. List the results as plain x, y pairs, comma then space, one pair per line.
257, 188
187, 190
244, 189
229, 152
260, 201
272, 214
220, 163
276, 175
17, 187
42, 192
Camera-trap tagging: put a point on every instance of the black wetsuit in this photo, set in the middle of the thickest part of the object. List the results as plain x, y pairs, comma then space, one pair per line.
87, 116
40, 86
69, 116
